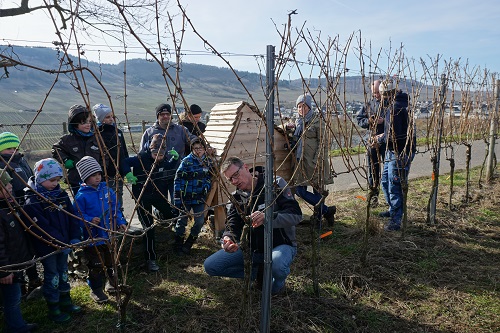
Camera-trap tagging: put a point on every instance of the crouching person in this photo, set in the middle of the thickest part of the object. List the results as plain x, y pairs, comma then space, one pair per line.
48, 210
249, 198
97, 205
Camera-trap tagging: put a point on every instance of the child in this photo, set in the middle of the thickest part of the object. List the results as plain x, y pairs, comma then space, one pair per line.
80, 142
192, 184
153, 191
13, 250
114, 141
48, 210
20, 171
97, 205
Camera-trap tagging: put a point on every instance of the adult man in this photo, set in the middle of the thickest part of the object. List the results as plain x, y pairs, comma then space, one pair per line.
400, 150
249, 203
176, 136
371, 118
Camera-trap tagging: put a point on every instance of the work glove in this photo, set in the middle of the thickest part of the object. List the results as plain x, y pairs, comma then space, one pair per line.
131, 178
174, 154
69, 164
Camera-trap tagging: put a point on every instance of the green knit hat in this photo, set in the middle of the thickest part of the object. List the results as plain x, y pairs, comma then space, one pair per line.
5, 178
8, 140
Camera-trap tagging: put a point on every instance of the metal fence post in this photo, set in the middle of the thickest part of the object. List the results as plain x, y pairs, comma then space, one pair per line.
493, 132
65, 128
143, 126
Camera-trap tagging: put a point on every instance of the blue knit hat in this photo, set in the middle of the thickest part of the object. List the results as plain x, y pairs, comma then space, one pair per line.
8, 140
46, 169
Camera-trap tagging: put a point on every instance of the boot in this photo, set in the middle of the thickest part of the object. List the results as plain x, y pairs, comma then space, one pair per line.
66, 304
55, 313
188, 244
179, 242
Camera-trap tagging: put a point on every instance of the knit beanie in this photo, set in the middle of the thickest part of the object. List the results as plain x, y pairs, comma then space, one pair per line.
8, 140
195, 109
156, 145
306, 99
87, 166
5, 178
46, 169
163, 108
101, 111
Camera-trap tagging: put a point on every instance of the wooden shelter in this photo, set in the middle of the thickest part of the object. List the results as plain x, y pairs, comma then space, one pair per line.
239, 129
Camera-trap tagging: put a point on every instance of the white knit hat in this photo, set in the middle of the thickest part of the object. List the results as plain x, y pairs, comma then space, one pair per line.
87, 166
101, 111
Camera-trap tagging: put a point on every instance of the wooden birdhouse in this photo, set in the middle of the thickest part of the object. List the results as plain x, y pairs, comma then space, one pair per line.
239, 129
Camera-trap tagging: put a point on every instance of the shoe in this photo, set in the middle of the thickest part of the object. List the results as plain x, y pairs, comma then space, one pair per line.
31, 327
188, 244
109, 288
152, 266
330, 215
35, 293
178, 245
374, 201
55, 313
66, 304
98, 296
384, 214
392, 227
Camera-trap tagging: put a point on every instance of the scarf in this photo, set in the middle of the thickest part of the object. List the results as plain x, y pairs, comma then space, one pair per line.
300, 124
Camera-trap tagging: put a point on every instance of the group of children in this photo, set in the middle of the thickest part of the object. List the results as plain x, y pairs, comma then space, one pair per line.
94, 166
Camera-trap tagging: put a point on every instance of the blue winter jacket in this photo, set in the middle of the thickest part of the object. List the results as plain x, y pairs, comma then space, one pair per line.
52, 218
102, 203
193, 180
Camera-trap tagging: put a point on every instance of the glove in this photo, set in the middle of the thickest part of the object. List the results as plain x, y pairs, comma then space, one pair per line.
131, 178
69, 164
174, 154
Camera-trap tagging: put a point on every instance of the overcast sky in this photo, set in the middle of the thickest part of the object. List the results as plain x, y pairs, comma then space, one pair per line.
462, 29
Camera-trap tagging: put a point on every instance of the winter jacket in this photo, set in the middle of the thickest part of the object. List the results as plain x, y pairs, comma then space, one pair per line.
193, 180
14, 247
396, 124
286, 215
74, 147
51, 217
111, 141
177, 138
18, 165
161, 176
363, 117
314, 164
102, 203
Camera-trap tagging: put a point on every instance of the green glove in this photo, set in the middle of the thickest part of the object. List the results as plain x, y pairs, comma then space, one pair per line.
131, 178
69, 164
174, 154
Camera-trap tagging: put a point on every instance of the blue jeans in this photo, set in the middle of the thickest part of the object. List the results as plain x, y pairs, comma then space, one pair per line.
199, 220
13, 319
55, 276
310, 198
223, 263
395, 174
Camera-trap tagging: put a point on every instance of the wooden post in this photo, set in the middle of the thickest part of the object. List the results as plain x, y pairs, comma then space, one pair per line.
65, 128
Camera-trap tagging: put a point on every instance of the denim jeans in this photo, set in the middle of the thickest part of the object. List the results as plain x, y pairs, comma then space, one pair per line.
199, 220
311, 198
55, 276
395, 174
223, 263
13, 319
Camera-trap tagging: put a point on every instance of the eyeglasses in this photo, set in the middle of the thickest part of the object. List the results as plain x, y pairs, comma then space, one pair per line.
235, 175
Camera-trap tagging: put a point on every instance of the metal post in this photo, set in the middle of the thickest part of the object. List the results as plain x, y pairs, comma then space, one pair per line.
265, 324
143, 123
493, 131
442, 95
65, 128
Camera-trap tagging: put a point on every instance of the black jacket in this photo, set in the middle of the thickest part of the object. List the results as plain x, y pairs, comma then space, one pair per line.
18, 165
14, 247
111, 140
286, 215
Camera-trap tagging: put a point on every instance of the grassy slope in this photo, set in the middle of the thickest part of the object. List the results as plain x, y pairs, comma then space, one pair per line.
441, 278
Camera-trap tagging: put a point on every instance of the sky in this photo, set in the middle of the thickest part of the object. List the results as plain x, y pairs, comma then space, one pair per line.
462, 30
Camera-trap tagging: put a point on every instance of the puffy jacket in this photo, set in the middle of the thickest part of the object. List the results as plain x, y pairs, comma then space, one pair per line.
51, 217
177, 137
193, 130
193, 180
111, 137
286, 215
102, 203
74, 147
14, 246
20, 171
161, 176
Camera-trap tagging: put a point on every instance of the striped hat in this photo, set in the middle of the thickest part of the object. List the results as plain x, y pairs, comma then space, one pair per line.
5, 178
87, 166
8, 140
46, 169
